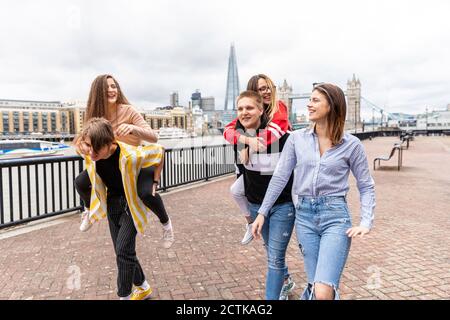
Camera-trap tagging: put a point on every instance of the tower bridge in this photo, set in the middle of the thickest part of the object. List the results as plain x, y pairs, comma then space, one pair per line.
355, 101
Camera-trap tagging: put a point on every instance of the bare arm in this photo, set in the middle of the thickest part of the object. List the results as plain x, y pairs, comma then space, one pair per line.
137, 126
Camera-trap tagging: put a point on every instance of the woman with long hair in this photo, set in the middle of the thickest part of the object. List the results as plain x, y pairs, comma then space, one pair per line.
106, 100
323, 157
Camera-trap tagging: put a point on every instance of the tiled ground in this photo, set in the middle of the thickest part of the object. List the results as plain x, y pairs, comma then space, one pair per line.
406, 256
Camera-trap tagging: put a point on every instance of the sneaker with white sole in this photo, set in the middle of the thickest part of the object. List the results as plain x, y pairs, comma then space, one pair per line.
168, 238
141, 294
85, 223
287, 289
248, 234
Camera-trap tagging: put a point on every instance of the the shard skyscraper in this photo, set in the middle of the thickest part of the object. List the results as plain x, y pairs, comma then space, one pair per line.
232, 81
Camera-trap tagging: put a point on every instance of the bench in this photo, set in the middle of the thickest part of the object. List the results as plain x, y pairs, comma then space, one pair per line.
387, 158
404, 138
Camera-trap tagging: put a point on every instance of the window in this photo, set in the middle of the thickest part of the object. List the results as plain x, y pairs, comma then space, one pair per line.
35, 116
53, 122
64, 121
44, 122
26, 123
5, 119
16, 121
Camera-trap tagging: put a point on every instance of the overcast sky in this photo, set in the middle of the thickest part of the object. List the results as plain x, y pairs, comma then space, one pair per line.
399, 49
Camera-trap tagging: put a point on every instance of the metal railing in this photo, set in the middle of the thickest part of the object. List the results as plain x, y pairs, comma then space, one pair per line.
35, 188
39, 187
187, 165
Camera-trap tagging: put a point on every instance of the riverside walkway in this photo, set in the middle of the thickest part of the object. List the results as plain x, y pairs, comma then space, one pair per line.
406, 256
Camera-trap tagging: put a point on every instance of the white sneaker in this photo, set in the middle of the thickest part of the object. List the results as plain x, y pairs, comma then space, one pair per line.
248, 234
85, 223
168, 238
287, 289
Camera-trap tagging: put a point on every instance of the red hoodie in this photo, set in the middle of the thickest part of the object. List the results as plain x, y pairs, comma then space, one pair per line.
274, 130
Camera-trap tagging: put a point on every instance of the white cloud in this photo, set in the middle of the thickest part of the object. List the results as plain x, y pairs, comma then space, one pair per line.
54, 49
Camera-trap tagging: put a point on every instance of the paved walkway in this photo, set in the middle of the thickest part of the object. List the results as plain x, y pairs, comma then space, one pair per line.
406, 256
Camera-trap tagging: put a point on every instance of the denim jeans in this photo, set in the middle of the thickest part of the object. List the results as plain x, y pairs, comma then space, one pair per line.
276, 233
321, 223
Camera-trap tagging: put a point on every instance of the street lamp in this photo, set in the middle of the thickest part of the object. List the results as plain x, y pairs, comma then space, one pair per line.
373, 119
426, 120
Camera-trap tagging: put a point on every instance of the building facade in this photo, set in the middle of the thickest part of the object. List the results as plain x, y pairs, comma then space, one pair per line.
175, 118
26, 117
22, 117
174, 100
196, 98
434, 120
208, 104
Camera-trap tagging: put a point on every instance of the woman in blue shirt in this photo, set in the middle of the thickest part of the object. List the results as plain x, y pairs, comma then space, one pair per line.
323, 157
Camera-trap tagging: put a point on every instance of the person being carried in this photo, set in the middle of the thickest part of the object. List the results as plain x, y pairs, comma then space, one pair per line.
106, 100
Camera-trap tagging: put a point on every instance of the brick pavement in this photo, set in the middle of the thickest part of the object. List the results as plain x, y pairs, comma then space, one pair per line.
406, 256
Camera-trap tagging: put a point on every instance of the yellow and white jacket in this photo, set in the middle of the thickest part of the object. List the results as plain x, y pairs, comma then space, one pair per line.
131, 159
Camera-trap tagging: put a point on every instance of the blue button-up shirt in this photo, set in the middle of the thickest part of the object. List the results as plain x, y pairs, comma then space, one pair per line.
325, 175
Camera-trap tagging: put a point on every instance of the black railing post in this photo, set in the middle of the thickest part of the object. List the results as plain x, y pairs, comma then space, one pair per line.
205, 162
29, 191
80, 170
192, 164
45, 189
11, 202
36, 177
163, 185
19, 171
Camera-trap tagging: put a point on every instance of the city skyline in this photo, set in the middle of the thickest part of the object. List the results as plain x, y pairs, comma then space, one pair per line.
397, 49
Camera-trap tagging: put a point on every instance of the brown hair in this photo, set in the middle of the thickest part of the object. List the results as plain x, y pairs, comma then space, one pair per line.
100, 132
97, 105
338, 108
252, 84
252, 95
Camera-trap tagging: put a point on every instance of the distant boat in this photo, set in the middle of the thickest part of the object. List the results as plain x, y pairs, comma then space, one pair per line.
30, 148
172, 133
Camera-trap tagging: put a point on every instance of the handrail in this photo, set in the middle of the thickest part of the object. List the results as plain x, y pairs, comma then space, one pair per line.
43, 186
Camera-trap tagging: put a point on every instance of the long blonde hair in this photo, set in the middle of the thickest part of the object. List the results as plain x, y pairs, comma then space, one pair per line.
97, 105
272, 108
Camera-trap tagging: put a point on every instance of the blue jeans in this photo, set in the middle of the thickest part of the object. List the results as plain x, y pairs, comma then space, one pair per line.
321, 223
276, 233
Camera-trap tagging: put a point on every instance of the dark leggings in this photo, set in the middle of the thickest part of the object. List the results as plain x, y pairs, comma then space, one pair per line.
144, 189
